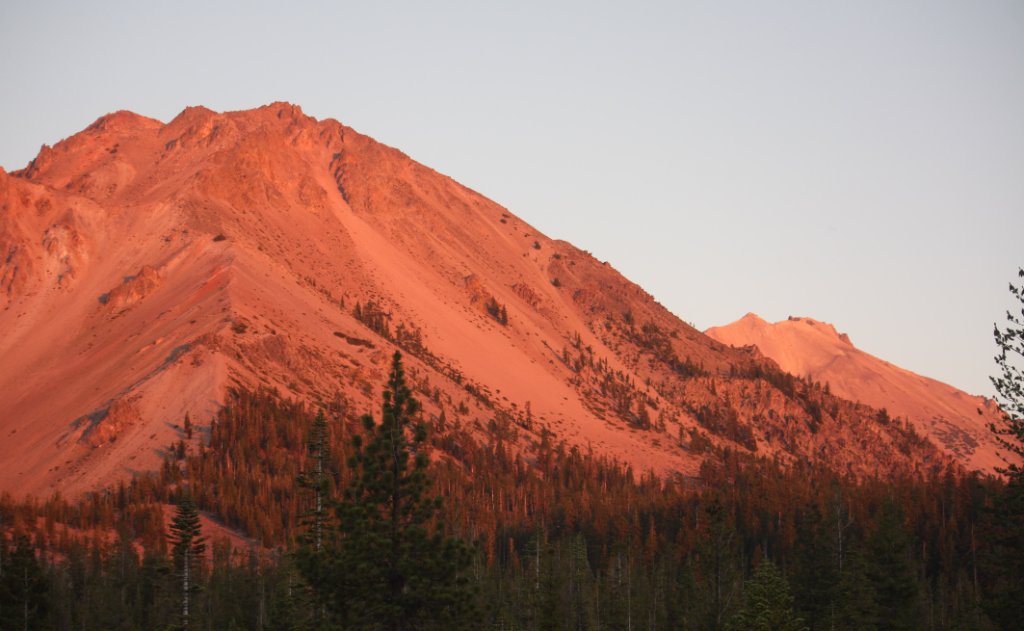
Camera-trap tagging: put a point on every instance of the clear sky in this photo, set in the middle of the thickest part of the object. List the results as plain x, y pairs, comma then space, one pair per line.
858, 162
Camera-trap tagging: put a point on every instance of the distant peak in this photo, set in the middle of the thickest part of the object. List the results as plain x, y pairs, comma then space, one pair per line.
193, 113
278, 110
751, 321
821, 326
284, 108
285, 112
196, 109
123, 119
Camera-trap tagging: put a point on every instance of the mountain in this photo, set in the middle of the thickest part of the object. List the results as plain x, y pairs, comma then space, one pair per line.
955, 421
148, 268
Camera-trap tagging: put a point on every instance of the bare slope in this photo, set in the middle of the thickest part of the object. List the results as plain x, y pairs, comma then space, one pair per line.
147, 267
953, 419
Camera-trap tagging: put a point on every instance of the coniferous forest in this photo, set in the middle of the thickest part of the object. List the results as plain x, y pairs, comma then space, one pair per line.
406, 522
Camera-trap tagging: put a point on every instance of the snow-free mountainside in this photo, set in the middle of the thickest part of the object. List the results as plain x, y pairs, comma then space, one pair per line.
955, 421
146, 268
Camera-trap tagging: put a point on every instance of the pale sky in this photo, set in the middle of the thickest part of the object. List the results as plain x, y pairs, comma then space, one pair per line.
860, 162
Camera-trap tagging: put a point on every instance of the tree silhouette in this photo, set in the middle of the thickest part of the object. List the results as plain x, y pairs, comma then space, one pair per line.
890, 568
187, 545
22, 586
768, 603
1009, 384
816, 576
316, 482
390, 565
1006, 558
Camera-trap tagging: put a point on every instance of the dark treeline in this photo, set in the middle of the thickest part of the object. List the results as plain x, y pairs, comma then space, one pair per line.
563, 539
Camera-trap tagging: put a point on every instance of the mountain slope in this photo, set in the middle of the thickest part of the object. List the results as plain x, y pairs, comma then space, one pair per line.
954, 420
148, 267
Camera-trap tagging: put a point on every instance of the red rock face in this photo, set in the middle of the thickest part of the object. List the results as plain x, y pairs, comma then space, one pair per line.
955, 421
160, 264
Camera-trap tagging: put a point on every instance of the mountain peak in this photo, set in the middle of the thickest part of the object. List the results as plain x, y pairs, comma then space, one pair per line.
123, 120
193, 112
154, 266
803, 346
192, 116
284, 109
822, 327
756, 326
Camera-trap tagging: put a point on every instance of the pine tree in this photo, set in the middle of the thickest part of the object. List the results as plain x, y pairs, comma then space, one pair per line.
1009, 384
391, 566
23, 590
188, 545
1005, 522
768, 604
816, 573
315, 481
718, 563
890, 569
285, 607
310, 554
581, 586
856, 609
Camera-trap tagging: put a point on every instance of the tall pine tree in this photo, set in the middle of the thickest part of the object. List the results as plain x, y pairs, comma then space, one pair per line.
768, 604
391, 566
1009, 384
187, 546
891, 569
316, 481
22, 587
1005, 522
816, 573
719, 566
